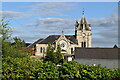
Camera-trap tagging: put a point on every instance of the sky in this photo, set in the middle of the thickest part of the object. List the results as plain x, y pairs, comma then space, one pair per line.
34, 20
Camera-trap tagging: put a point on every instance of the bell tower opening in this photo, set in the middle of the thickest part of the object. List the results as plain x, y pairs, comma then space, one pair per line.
83, 44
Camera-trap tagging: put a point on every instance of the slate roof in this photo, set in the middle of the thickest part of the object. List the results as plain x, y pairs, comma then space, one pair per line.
97, 53
33, 44
83, 21
72, 39
52, 38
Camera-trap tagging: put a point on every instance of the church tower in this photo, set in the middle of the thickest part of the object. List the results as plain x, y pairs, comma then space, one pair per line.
83, 32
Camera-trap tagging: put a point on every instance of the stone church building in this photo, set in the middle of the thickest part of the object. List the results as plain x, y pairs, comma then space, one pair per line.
82, 38
78, 46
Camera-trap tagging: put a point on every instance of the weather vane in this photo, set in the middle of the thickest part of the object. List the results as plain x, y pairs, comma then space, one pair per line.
83, 11
62, 32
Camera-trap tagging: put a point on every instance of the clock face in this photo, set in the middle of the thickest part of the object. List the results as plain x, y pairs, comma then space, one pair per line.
63, 44
83, 34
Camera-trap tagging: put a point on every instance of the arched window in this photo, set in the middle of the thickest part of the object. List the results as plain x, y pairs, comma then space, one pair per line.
41, 49
72, 51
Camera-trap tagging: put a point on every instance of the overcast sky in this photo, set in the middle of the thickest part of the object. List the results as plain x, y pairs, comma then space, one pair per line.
34, 20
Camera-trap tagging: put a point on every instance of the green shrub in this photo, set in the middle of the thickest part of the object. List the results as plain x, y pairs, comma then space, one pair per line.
69, 70
74, 70
27, 69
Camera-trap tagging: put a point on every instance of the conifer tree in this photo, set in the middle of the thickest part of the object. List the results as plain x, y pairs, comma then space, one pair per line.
53, 56
49, 53
58, 55
115, 46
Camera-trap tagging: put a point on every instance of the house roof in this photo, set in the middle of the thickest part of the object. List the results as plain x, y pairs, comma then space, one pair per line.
52, 38
96, 53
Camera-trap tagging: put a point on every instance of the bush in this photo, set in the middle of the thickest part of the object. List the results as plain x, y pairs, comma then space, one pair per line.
74, 70
69, 70
26, 68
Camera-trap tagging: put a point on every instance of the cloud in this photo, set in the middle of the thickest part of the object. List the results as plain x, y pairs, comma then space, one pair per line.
12, 14
106, 22
52, 8
104, 42
42, 9
107, 38
53, 25
107, 31
17, 30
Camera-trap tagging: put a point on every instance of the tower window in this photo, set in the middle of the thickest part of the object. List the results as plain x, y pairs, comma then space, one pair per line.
83, 44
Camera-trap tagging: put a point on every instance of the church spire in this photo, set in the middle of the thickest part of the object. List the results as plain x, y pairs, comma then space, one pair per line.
83, 25
83, 20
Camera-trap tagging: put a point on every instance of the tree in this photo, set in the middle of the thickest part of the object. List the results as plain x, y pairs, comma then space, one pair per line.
53, 56
5, 35
5, 30
7, 48
115, 46
58, 55
18, 43
49, 53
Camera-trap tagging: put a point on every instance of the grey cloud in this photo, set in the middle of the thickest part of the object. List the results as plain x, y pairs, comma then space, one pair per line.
104, 42
53, 25
111, 33
107, 30
106, 22
107, 33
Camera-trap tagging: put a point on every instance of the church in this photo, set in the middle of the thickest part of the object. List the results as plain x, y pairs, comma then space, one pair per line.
82, 38
78, 47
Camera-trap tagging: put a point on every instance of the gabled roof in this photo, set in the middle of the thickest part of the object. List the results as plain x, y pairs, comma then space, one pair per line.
52, 38
33, 44
72, 39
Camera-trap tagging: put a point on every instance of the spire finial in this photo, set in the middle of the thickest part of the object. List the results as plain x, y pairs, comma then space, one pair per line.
62, 32
83, 12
